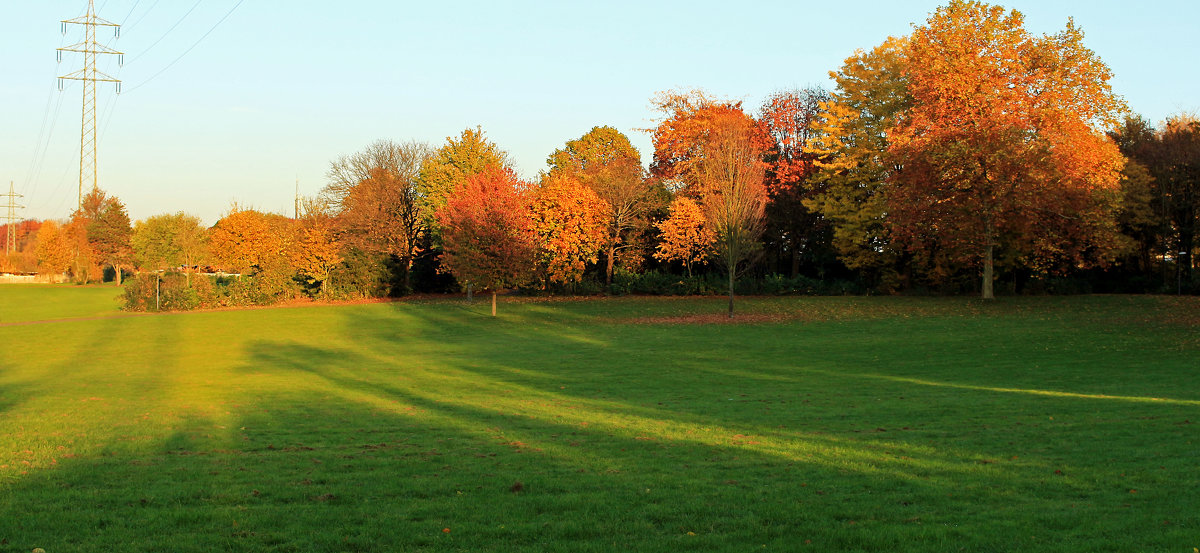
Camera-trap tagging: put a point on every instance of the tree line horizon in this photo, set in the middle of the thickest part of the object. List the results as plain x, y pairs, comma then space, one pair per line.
968, 154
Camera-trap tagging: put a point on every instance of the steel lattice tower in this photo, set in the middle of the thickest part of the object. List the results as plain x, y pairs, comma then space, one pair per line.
11, 218
90, 48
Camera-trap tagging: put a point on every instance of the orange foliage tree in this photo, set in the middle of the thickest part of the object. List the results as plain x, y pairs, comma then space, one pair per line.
487, 235
570, 222
685, 237
1004, 145
316, 251
249, 241
53, 249
604, 160
732, 192
679, 139
713, 152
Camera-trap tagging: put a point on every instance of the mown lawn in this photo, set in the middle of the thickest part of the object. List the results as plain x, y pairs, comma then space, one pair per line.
35, 302
631, 424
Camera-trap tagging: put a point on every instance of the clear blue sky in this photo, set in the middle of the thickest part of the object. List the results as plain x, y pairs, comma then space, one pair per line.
279, 89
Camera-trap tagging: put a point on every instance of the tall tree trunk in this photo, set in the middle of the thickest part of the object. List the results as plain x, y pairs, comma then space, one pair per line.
795, 261
987, 272
608, 270
117, 268
408, 263
988, 268
493, 303
732, 270
1187, 241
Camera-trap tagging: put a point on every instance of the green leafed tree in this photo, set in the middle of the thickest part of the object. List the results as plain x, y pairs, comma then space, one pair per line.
849, 147
170, 240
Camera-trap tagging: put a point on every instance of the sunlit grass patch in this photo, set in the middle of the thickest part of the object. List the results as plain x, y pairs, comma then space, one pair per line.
909, 424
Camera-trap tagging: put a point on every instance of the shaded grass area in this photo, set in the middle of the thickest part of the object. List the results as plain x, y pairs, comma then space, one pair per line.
850, 424
36, 302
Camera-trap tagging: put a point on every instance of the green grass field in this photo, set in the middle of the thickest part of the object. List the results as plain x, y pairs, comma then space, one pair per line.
630, 424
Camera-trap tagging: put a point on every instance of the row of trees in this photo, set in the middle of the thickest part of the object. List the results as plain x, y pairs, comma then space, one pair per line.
970, 150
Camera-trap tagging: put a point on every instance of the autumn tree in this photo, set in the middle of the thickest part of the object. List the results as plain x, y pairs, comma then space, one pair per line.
1171, 155
1004, 147
377, 199
571, 225
22, 255
488, 236
679, 138
169, 240
106, 229
53, 249
315, 249
85, 266
732, 193
605, 161
849, 147
794, 230
684, 235
249, 241
460, 157
714, 153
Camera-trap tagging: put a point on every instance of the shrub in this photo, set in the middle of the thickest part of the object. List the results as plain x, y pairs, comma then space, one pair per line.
160, 292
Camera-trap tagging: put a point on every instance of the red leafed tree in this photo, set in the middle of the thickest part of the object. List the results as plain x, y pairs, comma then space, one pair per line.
793, 229
488, 236
1003, 150
685, 237
571, 224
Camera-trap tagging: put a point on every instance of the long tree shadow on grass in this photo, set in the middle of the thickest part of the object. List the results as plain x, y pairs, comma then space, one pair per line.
387, 443
1099, 448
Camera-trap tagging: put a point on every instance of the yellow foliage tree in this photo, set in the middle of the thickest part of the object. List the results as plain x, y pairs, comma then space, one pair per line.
685, 237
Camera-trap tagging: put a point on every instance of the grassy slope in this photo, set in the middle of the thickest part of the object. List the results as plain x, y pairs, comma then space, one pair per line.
867, 424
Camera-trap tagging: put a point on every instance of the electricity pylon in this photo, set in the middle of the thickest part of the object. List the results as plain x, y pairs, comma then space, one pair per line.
88, 170
11, 218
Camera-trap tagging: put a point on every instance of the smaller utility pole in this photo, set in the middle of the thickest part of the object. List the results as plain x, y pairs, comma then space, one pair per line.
11, 219
296, 198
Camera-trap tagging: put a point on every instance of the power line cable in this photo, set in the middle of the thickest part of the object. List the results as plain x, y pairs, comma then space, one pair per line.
164, 35
135, 5
36, 172
185, 52
143, 16
35, 163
